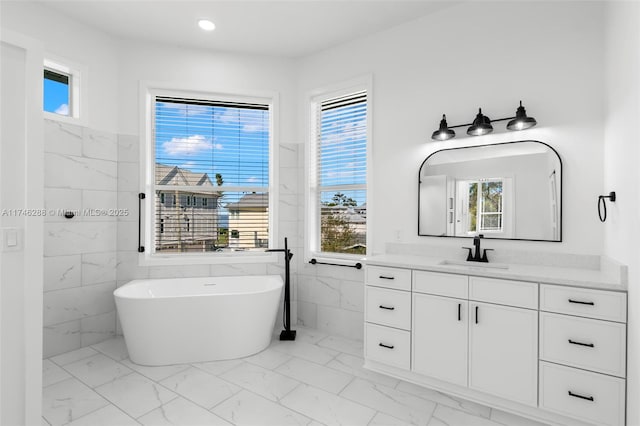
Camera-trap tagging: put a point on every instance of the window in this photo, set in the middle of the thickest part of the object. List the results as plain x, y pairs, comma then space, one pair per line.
485, 206
217, 150
57, 92
338, 181
61, 91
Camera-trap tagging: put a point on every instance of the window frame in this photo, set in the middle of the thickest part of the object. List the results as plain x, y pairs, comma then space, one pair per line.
312, 199
77, 90
148, 93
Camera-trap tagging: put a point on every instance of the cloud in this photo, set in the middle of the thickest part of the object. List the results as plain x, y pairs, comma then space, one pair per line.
191, 145
62, 109
252, 179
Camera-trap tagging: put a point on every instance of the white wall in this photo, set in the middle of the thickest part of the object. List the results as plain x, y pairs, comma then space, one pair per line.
67, 40
621, 157
489, 55
20, 266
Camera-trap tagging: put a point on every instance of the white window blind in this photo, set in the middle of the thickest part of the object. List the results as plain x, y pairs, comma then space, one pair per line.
211, 175
341, 174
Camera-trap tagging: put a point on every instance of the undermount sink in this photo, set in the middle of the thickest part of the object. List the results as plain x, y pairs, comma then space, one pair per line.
468, 264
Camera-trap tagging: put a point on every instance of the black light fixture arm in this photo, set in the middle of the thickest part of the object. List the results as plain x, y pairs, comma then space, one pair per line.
469, 124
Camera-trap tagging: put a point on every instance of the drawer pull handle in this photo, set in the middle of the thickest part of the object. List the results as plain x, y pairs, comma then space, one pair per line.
459, 312
580, 302
476, 314
591, 345
388, 308
384, 277
385, 346
576, 395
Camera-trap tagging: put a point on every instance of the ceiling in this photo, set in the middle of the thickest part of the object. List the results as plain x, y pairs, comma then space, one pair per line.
292, 28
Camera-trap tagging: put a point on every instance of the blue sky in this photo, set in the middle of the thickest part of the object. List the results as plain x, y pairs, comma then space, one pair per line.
211, 139
56, 97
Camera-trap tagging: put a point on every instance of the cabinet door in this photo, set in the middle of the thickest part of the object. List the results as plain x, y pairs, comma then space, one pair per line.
439, 330
503, 351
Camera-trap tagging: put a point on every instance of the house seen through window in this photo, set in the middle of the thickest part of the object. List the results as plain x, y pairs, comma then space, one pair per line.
211, 169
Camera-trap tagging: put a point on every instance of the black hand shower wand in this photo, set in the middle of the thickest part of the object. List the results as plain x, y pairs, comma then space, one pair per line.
287, 333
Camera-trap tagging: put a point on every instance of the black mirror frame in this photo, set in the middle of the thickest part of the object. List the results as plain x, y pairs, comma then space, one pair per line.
559, 240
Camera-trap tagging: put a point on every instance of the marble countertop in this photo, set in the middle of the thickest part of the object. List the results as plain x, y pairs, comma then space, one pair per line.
610, 275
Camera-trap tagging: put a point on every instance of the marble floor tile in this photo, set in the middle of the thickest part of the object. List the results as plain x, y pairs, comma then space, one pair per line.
382, 419
181, 412
218, 367
51, 373
509, 419
317, 375
107, 416
308, 351
155, 373
135, 394
73, 356
200, 387
97, 370
316, 380
269, 358
66, 401
342, 344
353, 365
248, 409
264, 382
326, 407
444, 399
113, 348
393, 402
308, 335
446, 416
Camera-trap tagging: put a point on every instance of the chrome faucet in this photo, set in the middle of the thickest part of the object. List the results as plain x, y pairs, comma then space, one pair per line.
476, 257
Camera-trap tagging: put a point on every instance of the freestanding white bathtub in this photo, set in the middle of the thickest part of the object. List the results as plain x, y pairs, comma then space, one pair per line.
184, 320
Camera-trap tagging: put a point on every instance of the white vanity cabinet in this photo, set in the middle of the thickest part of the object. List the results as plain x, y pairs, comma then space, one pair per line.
387, 337
503, 338
440, 326
460, 337
551, 352
583, 353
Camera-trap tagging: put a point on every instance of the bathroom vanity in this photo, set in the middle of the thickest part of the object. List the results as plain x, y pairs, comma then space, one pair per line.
548, 343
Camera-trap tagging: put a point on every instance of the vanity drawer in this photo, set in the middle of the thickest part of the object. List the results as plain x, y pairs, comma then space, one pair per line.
388, 307
592, 397
381, 276
450, 285
585, 343
388, 345
586, 302
504, 292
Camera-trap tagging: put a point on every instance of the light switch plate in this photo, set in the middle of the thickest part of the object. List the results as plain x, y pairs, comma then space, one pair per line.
11, 239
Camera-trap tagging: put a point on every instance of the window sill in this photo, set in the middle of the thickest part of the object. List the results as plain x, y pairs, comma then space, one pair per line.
198, 259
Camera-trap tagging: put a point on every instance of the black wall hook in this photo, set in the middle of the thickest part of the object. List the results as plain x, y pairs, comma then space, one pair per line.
602, 206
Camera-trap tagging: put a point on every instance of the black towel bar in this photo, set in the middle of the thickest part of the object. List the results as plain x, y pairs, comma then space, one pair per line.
358, 265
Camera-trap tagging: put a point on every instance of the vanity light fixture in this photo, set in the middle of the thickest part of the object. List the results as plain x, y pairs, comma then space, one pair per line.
444, 132
206, 25
482, 125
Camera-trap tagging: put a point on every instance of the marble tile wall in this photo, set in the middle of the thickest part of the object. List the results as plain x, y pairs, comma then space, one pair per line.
81, 175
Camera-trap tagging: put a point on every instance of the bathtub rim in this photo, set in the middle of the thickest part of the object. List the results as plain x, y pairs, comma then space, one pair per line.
120, 292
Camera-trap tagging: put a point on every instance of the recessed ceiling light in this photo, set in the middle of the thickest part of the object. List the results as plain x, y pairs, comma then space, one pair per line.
206, 25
